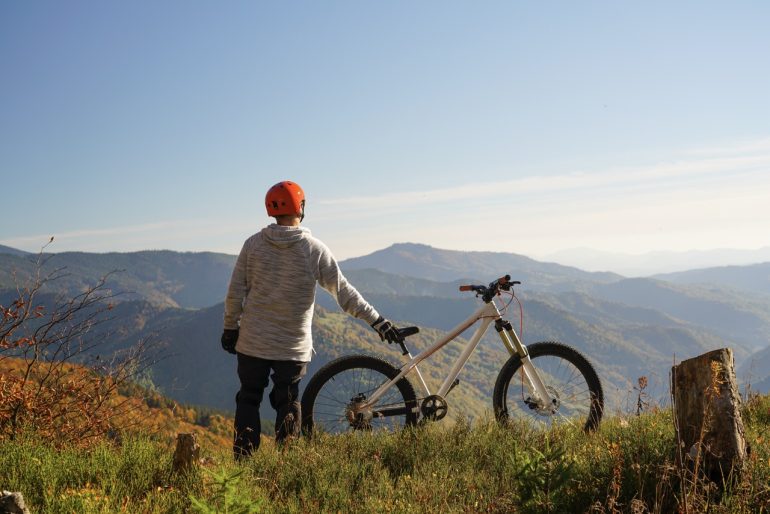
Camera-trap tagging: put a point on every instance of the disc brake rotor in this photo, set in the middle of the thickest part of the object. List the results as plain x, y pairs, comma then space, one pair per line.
546, 409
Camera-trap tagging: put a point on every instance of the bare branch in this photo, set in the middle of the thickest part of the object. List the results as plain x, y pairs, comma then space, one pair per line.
48, 388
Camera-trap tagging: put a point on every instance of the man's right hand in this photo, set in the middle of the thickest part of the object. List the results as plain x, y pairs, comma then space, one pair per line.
229, 338
386, 330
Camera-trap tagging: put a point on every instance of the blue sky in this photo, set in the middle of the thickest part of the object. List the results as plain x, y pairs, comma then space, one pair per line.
509, 126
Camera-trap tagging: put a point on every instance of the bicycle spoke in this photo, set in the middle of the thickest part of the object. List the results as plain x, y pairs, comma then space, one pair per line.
565, 375
340, 400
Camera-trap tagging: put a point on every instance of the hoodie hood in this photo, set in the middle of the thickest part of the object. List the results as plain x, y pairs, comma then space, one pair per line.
283, 236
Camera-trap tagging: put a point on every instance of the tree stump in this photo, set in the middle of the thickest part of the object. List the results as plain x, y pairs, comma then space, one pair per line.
187, 453
708, 417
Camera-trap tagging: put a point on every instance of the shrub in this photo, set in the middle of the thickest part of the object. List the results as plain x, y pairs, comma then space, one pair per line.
40, 387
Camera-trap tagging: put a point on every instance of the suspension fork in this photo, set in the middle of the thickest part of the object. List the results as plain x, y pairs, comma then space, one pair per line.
514, 345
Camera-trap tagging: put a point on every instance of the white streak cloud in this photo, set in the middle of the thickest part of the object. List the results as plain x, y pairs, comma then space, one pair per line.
185, 235
698, 201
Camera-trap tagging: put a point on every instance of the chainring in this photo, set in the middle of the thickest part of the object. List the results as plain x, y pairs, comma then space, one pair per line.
434, 407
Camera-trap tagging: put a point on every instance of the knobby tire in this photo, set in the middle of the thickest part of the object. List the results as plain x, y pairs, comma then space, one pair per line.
567, 374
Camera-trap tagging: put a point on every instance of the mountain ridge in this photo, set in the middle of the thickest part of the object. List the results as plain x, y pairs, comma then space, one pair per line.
12, 251
424, 261
657, 262
734, 315
749, 277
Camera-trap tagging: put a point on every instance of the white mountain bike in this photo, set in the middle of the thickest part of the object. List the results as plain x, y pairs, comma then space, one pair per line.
544, 382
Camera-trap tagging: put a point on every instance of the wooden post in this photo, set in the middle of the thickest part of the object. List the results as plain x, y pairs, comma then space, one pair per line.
708, 416
187, 453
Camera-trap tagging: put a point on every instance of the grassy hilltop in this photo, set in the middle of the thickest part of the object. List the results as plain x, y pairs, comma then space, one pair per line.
632, 464
76, 440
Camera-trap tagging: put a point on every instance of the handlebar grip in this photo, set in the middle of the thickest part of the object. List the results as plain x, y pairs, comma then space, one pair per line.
466, 288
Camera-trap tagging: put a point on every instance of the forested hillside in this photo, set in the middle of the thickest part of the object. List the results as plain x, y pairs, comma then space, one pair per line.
190, 280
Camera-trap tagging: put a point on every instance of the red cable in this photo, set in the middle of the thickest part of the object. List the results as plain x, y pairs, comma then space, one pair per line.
521, 312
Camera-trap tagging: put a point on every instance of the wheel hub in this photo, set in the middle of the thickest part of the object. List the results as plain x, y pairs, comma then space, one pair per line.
542, 408
358, 418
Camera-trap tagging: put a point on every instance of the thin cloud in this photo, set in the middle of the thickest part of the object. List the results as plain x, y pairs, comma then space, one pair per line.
161, 234
693, 202
692, 168
721, 214
24, 241
741, 147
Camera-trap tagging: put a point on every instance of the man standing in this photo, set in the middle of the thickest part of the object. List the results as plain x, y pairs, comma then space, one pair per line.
269, 312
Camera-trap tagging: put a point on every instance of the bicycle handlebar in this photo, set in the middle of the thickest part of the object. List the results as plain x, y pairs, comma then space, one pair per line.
488, 292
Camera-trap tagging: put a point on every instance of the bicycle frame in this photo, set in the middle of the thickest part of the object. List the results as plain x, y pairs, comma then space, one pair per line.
486, 313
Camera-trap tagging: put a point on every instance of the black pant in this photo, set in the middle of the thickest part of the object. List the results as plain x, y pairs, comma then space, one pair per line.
284, 398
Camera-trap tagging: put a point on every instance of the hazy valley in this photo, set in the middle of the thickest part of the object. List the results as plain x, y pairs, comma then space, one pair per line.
628, 327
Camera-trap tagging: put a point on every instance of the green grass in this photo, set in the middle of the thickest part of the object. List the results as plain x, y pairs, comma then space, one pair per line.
133, 476
629, 465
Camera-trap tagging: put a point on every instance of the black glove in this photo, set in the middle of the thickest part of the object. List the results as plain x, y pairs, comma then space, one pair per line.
229, 338
387, 331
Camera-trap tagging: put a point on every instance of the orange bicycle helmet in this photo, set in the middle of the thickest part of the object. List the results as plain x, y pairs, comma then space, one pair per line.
285, 198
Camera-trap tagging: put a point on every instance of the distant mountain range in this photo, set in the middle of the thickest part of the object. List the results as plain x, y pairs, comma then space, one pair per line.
653, 263
426, 262
756, 371
628, 327
753, 277
175, 279
731, 314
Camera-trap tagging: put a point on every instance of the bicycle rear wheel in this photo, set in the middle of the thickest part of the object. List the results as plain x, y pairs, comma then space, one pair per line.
570, 380
331, 400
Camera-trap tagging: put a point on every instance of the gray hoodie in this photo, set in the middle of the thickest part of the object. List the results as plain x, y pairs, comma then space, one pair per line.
272, 293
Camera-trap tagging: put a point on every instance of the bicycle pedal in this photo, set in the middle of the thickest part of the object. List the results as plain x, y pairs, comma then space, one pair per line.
454, 384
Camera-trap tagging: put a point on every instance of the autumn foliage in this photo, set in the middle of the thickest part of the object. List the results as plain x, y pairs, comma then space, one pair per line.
44, 387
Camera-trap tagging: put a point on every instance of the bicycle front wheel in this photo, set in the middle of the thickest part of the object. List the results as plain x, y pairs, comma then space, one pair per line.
333, 399
571, 382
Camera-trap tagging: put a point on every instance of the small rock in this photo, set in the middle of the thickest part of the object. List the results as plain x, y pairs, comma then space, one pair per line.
12, 503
